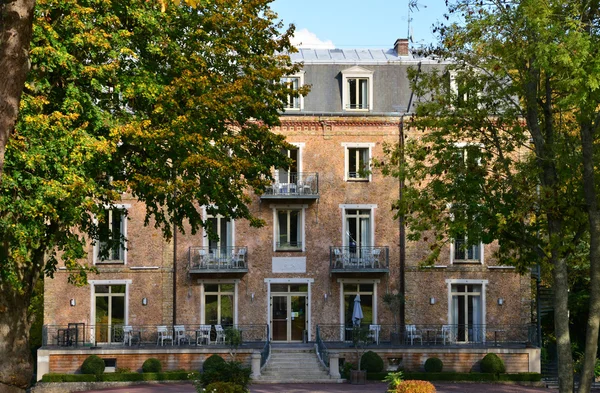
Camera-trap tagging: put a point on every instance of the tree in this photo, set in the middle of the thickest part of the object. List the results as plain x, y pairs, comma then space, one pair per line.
174, 107
505, 144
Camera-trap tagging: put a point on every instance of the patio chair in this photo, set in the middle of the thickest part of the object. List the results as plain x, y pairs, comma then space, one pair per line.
220, 338
127, 335
203, 335
239, 259
375, 253
412, 333
163, 334
203, 257
306, 187
338, 258
446, 334
374, 333
180, 334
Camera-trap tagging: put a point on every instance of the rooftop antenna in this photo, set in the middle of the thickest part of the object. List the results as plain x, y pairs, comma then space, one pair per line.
412, 5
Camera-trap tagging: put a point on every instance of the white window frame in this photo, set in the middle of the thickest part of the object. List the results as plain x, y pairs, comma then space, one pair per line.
302, 209
96, 248
205, 218
357, 73
300, 77
454, 88
235, 283
300, 147
343, 281
93, 284
345, 207
458, 281
356, 145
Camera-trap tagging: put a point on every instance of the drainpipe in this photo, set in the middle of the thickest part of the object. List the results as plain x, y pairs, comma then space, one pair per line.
174, 273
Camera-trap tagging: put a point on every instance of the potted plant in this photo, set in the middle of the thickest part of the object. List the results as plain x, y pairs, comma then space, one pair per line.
394, 301
360, 340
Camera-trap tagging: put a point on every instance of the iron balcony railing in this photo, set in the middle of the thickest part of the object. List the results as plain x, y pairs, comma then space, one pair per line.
219, 260
430, 334
322, 351
81, 335
303, 185
266, 351
359, 259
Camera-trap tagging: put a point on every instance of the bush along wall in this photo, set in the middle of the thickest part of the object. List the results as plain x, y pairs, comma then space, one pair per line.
122, 377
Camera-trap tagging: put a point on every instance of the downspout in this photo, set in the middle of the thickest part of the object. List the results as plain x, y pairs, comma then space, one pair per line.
174, 272
401, 221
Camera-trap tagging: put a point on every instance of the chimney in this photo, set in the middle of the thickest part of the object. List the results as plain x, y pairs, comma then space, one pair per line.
401, 46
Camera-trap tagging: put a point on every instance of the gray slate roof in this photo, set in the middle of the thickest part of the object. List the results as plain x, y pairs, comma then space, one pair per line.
353, 56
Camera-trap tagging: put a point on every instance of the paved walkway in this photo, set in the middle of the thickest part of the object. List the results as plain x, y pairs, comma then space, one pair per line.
370, 387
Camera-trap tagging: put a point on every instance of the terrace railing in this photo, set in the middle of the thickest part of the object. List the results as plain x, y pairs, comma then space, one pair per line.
266, 351
322, 351
359, 259
430, 334
218, 260
144, 335
304, 185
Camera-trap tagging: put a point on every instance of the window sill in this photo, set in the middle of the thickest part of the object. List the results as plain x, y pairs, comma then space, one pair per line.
110, 263
289, 250
466, 262
357, 110
358, 179
292, 109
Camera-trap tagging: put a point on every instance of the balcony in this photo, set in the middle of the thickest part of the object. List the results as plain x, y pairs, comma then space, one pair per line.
232, 260
293, 185
353, 259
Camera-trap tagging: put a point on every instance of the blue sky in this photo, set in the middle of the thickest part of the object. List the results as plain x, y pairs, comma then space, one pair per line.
358, 23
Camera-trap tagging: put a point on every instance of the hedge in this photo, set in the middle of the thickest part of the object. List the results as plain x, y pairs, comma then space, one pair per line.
122, 377
450, 376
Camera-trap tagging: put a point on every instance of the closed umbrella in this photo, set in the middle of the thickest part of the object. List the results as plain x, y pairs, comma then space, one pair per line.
357, 314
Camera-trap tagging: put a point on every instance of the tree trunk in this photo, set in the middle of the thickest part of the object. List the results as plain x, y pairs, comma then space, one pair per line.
591, 199
561, 325
15, 363
16, 19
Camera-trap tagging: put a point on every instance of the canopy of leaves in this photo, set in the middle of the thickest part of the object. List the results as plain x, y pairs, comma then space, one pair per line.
173, 107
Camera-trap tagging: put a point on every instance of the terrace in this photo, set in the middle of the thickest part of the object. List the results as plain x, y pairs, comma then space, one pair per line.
293, 185
218, 260
353, 259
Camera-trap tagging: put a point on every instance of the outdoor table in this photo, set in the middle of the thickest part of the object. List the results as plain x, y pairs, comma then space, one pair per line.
427, 331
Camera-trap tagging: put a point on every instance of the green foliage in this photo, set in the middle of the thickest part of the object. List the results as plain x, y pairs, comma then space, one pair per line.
152, 365
234, 372
212, 362
346, 368
415, 387
93, 365
393, 380
492, 363
371, 362
222, 387
122, 377
474, 377
69, 378
434, 365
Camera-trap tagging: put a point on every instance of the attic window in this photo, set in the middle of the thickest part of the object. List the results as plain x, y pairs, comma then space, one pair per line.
357, 89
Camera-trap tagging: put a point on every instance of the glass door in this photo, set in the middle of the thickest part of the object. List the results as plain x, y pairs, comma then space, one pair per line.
109, 311
466, 313
297, 317
279, 320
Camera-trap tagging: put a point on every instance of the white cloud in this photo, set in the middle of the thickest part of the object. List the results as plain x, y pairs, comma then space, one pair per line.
305, 39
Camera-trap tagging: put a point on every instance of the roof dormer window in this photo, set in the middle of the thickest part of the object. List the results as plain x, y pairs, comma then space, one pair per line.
357, 90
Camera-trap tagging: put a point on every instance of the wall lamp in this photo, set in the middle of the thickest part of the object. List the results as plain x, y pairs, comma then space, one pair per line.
144, 301
431, 300
72, 302
500, 301
252, 297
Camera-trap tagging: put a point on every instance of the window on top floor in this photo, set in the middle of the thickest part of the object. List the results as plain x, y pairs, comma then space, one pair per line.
357, 89
112, 231
293, 102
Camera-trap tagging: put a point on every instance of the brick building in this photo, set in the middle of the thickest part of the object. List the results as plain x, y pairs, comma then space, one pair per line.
329, 235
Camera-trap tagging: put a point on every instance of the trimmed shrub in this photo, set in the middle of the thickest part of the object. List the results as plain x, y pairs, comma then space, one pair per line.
491, 363
212, 362
93, 365
69, 378
371, 362
224, 387
521, 377
122, 377
152, 365
476, 377
234, 372
415, 387
346, 368
434, 365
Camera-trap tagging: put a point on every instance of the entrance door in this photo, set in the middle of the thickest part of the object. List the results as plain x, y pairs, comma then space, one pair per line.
288, 315
467, 313
109, 312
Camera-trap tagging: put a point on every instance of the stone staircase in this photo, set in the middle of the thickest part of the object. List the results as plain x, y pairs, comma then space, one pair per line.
294, 364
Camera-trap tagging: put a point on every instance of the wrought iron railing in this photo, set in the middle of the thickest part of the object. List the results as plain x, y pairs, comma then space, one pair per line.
266, 351
294, 184
72, 335
322, 351
433, 334
217, 259
361, 258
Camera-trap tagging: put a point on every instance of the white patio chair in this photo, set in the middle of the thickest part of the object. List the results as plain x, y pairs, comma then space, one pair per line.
127, 335
239, 259
220, 339
375, 253
412, 333
445, 334
180, 334
203, 257
203, 335
374, 333
338, 258
163, 335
